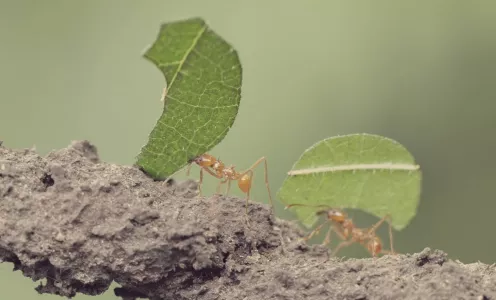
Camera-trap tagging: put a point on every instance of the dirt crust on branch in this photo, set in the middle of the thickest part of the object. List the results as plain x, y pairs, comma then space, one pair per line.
81, 223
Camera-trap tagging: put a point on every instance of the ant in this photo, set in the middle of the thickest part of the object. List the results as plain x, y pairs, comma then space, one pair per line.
218, 169
349, 233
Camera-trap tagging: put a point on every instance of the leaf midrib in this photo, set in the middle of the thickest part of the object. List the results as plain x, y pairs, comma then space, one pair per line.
356, 167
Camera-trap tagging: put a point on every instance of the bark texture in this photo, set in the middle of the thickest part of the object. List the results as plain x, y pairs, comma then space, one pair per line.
81, 223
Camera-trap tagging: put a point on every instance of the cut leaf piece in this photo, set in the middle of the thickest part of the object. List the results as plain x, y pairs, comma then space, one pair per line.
361, 171
203, 76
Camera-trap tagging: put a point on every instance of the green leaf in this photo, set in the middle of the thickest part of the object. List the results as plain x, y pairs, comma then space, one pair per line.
203, 75
360, 171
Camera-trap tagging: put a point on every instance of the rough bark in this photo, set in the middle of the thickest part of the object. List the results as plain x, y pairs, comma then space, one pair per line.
81, 224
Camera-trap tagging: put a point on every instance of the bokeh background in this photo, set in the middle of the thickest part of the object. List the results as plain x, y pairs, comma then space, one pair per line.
420, 72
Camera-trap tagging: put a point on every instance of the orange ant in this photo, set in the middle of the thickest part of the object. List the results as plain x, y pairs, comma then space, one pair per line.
346, 230
218, 169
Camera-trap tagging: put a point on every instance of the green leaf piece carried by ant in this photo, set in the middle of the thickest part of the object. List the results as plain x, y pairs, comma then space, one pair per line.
358, 171
203, 91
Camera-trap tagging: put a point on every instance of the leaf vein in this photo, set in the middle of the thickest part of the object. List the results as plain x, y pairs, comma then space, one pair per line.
187, 53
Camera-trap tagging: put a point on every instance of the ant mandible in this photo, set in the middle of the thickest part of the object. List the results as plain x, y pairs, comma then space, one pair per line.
349, 233
218, 169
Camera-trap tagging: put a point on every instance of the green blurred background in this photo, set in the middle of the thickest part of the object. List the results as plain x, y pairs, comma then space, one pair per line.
420, 72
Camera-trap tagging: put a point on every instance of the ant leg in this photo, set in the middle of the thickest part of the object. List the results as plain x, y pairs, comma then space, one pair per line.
188, 169
221, 182
212, 173
248, 194
314, 232
228, 186
208, 171
217, 191
342, 245
327, 239
391, 247
200, 182
250, 169
373, 228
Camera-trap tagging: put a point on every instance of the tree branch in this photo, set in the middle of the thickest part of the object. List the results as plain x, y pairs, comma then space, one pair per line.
81, 224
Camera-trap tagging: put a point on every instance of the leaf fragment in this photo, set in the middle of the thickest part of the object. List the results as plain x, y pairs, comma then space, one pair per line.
360, 171
203, 76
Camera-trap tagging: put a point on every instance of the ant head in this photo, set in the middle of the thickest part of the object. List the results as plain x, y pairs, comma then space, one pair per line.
336, 215
204, 160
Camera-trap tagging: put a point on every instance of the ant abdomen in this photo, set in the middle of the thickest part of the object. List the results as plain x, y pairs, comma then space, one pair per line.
244, 183
374, 246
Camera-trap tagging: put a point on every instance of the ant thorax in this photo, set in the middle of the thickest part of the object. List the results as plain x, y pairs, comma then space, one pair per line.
229, 172
358, 234
219, 166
